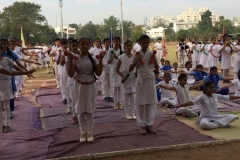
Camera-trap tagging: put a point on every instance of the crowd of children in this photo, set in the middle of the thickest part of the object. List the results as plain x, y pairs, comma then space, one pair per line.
135, 78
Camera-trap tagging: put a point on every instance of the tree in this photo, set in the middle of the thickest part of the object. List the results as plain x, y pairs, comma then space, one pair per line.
28, 16
77, 28
206, 21
137, 31
88, 31
127, 29
111, 23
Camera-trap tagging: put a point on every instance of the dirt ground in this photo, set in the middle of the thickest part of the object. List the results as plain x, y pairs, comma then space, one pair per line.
217, 152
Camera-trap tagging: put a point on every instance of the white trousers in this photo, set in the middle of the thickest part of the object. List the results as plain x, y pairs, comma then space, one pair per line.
56, 74
70, 99
190, 112
85, 121
181, 59
225, 73
169, 101
159, 56
129, 107
194, 64
208, 123
145, 114
213, 63
4, 105
117, 94
106, 85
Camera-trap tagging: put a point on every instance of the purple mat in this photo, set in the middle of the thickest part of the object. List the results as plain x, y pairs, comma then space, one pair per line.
122, 136
51, 101
47, 91
32, 145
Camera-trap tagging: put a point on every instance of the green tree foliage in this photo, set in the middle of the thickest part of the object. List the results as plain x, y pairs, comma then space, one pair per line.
88, 31
137, 31
28, 16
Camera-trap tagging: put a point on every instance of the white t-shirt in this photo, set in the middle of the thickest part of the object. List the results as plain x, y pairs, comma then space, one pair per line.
166, 93
181, 52
158, 46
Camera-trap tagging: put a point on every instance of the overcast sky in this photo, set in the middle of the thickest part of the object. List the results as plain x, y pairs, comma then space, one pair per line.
82, 11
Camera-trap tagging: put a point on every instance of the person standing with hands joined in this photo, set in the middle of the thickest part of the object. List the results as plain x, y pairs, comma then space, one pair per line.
83, 70
145, 62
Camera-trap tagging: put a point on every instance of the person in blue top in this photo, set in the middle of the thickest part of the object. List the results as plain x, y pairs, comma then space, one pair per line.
157, 80
166, 67
14, 57
215, 78
199, 75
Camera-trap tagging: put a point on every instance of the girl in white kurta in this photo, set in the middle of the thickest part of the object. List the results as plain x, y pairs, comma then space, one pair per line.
196, 54
146, 97
70, 83
204, 53
213, 53
226, 51
167, 99
182, 93
158, 46
209, 118
83, 70
114, 53
106, 79
236, 66
94, 52
128, 80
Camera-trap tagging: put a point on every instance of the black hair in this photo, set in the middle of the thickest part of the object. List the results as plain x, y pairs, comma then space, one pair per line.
188, 63
137, 40
70, 39
100, 42
156, 72
9, 53
181, 76
143, 36
213, 38
167, 61
162, 59
199, 66
120, 47
90, 40
106, 39
175, 63
89, 56
239, 75
167, 73
181, 40
127, 42
159, 38
182, 47
57, 39
64, 41
206, 85
212, 69
1, 48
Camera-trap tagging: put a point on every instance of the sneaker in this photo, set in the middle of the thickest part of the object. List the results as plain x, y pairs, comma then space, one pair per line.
69, 110
128, 117
142, 131
83, 137
106, 99
134, 116
11, 115
111, 99
120, 106
89, 137
151, 129
6, 129
74, 121
64, 101
58, 87
115, 106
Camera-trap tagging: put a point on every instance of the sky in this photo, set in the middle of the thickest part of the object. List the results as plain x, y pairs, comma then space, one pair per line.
83, 11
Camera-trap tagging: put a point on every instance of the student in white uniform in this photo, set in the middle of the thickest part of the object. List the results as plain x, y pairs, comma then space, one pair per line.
226, 51
85, 91
159, 49
114, 53
146, 97
70, 82
236, 66
94, 52
196, 53
213, 53
167, 99
55, 54
136, 47
182, 93
106, 79
128, 82
39, 53
175, 73
181, 52
187, 70
209, 118
204, 53
45, 56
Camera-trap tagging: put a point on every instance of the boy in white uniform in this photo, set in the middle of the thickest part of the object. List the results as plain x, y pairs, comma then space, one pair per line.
158, 46
45, 56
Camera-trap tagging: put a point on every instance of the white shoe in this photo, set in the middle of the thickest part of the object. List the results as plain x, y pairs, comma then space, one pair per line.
69, 110
83, 137
128, 117
89, 137
134, 116
58, 87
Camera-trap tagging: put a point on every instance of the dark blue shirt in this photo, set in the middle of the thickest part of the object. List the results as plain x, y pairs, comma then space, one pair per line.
165, 68
214, 79
198, 76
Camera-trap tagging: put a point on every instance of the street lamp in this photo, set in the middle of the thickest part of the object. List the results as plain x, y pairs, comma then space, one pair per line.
122, 21
56, 21
61, 5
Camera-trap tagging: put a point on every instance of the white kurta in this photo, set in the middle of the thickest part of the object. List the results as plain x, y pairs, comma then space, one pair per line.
196, 53
174, 75
159, 55
85, 95
226, 59
236, 66
204, 56
70, 83
209, 110
145, 89
129, 86
45, 57
5, 80
213, 55
190, 80
115, 78
166, 95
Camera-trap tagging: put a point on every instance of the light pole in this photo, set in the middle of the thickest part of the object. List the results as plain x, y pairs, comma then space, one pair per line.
122, 21
56, 21
61, 5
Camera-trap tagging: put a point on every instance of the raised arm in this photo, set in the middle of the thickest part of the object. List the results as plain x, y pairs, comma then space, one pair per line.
99, 67
13, 73
71, 67
165, 87
196, 86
